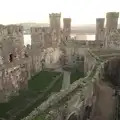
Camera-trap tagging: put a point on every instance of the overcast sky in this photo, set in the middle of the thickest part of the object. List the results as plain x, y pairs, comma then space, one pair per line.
81, 11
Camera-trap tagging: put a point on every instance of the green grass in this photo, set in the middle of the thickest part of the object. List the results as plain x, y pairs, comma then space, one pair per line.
36, 86
75, 76
41, 81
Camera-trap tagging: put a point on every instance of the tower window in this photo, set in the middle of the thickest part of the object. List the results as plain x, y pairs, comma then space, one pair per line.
11, 57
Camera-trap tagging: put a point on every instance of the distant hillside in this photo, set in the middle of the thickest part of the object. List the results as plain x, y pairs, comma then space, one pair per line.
28, 25
88, 28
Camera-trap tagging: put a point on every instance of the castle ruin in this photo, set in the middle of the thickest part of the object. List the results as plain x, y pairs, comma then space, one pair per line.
50, 46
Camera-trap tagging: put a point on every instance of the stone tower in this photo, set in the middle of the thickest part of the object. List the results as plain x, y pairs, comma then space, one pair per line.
66, 27
12, 43
55, 21
100, 28
111, 21
111, 25
37, 38
55, 25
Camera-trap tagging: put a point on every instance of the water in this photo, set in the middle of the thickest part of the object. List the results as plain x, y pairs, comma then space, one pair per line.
27, 39
84, 37
90, 37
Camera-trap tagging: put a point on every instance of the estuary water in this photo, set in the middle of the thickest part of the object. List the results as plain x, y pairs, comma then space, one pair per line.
27, 38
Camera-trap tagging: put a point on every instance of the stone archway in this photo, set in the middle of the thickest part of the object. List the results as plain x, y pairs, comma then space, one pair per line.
72, 116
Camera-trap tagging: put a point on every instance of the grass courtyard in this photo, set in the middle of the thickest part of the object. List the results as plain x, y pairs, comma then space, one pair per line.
20, 106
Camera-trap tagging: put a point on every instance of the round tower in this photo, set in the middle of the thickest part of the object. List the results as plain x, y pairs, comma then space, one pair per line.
111, 21
111, 25
67, 27
99, 28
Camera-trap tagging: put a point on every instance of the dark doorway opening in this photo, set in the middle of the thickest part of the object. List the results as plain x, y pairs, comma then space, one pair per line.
11, 57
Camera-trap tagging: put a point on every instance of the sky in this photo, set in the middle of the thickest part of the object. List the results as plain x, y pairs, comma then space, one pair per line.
81, 11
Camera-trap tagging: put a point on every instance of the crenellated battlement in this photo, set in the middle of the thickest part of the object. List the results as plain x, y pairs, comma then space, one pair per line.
35, 30
100, 20
14, 29
55, 15
112, 15
67, 19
